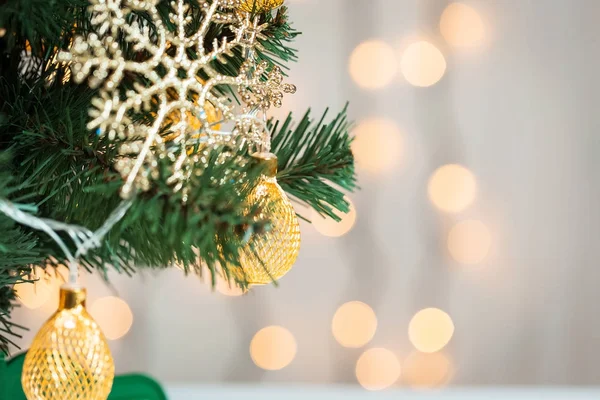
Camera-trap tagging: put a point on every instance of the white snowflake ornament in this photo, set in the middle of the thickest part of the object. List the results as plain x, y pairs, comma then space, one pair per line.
167, 70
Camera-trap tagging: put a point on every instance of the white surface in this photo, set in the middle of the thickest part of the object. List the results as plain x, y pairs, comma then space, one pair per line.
347, 393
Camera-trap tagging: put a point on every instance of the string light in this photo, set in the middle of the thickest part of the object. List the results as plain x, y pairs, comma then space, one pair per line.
377, 146
329, 227
422, 64
469, 242
452, 188
113, 315
377, 369
273, 348
462, 26
373, 64
354, 324
430, 330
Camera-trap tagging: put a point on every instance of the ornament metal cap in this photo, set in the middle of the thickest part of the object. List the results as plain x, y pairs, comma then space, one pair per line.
269, 160
71, 296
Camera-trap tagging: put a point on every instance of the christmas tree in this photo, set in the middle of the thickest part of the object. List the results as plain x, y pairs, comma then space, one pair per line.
136, 134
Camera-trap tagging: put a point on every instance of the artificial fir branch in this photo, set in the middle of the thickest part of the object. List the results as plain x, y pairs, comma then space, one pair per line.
315, 161
62, 171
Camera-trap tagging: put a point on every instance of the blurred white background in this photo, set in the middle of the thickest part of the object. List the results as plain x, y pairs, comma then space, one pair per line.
477, 143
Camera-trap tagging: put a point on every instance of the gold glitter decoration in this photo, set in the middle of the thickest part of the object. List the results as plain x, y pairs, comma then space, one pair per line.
166, 66
271, 255
259, 5
69, 357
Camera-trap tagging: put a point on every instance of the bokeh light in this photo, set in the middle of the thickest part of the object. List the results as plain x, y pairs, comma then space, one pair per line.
377, 369
273, 348
377, 146
462, 26
354, 324
44, 290
113, 315
329, 227
452, 188
229, 288
222, 285
430, 330
373, 64
469, 242
422, 64
426, 370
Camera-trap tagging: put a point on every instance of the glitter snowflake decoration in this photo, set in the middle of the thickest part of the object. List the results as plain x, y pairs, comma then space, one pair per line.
166, 60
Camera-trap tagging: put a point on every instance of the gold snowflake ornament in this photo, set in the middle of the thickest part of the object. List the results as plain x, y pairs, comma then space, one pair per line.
167, 70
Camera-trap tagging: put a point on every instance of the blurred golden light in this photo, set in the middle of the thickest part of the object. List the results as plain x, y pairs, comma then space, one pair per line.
462, 26
469, 242
422, 64
426, 370
430, 330
273, 348
373, 64
377, 146
113, 315
377, 369
222, 285
228, 288
329, 227
2, 32
354, 324
35, 295
452, 188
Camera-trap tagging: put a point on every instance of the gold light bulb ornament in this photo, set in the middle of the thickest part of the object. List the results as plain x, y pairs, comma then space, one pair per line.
259, 6
271, 255
69, 357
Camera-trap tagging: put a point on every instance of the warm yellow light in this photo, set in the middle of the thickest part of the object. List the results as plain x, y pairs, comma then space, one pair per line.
422, 64
430, 330
273, 348
377, 146
113, 315
426, 370
354, 324
228, 288
462, 26
452, 188
69, 355
373, 64
377, 369
35, 295
469, 242
328, 227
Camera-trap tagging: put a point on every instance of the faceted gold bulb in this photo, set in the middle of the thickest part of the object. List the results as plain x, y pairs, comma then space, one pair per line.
259, 5
69, 357
278, 248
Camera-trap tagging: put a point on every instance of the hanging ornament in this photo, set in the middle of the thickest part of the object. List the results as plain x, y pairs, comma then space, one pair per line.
69, 357
259, 6
270, 256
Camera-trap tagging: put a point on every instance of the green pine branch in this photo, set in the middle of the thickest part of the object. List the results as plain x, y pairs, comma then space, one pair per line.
18, 250
60, 170
316, 164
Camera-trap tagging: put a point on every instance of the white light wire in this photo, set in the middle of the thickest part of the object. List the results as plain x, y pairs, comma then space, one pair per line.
84, 238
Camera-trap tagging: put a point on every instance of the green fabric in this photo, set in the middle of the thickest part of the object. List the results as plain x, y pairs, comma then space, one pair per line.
125, 387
